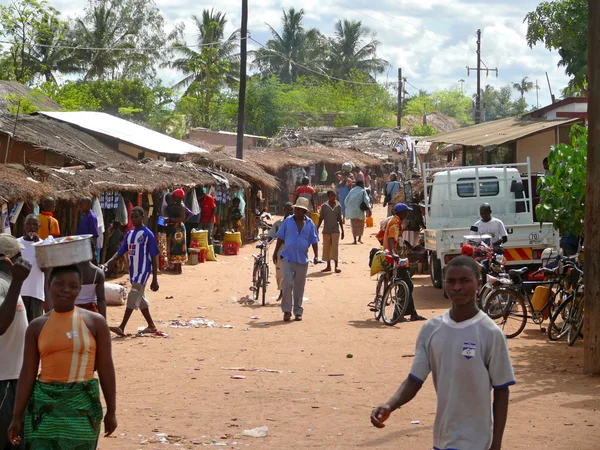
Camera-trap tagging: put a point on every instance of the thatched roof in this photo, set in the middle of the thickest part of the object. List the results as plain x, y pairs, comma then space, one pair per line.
18, 90
62, 139
436, 119
34, 182
244, 169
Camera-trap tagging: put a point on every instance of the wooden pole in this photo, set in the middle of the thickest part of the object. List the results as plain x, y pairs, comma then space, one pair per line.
591, 358
239, 152
400, 89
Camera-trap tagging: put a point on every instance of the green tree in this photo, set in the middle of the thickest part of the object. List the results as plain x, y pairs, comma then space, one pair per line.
563, 25
452, 102
285, 54
524, 86
424, 130
354, 48
497, 103
213, 66
36, 40
120, 39
567, 180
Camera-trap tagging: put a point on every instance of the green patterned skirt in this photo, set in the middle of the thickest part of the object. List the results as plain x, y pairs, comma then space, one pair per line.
63, 416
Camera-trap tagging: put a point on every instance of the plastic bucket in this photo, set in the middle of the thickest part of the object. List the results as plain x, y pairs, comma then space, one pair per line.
540, 295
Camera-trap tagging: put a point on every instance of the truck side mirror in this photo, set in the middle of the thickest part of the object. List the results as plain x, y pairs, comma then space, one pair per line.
474, 229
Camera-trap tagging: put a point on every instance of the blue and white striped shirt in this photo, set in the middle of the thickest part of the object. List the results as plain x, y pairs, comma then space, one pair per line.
140, 245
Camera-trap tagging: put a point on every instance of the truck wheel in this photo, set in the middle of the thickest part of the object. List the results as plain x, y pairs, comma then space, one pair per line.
435, 271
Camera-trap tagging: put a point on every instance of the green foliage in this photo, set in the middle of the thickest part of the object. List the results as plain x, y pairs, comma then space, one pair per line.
524, 86
498, 103
452, 102
424, 130
562, 25
19, 104
562, 193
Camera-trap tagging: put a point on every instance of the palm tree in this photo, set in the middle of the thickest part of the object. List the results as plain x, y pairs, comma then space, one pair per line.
524, 86
354, 47
213, 64
289, 54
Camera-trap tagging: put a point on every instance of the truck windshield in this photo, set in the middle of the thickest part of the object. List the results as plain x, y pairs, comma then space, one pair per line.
488, 187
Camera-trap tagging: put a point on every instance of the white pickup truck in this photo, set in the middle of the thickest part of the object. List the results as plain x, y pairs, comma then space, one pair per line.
452, 200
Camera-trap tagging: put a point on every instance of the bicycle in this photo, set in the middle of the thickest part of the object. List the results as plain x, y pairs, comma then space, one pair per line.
396, 295
570, 311
508, 305
260, 271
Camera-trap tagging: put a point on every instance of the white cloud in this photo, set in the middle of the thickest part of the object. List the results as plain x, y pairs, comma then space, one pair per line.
432, 40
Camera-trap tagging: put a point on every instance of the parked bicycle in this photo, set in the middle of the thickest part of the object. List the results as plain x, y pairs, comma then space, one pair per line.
567, 320
392, 293
260, 272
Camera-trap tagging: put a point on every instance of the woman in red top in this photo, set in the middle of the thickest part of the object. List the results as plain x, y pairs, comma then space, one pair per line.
306, 191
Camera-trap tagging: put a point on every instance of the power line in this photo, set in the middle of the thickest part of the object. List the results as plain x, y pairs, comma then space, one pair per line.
317, 71
134, 49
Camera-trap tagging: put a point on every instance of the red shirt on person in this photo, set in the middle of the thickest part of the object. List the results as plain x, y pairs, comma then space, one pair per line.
207, 206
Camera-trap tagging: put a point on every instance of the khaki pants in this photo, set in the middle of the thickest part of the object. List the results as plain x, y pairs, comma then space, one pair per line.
331, 245
279, 273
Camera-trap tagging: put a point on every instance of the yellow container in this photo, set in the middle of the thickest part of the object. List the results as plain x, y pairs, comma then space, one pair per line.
540, 296
233, 237
370, 222
201, 237
315, 218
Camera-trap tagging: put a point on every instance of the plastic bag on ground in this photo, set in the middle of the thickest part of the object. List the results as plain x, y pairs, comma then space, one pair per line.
258, 432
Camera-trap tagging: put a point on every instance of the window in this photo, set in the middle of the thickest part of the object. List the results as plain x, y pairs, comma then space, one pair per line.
488, 187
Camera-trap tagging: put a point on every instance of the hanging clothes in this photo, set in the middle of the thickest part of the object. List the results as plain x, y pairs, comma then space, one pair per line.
97, 209
121, 215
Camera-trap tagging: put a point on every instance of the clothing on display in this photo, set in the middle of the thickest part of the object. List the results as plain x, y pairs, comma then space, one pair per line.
121, 215
110, 200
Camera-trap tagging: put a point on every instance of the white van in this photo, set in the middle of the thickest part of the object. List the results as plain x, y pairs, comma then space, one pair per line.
452, 201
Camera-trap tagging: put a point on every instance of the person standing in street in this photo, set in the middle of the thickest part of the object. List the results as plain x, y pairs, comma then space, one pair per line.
288, 210
391, 189
88, 223
305, 190
48, 224
14, 270
333, 226
490, 225
208, 211
296, 235
140, 245
467, 355
358, 205
32, 292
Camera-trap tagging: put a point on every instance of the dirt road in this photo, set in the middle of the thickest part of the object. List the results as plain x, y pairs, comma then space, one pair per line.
330, 370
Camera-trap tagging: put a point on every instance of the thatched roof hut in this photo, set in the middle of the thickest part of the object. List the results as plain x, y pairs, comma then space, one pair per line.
35, 136
70, 184
19, 91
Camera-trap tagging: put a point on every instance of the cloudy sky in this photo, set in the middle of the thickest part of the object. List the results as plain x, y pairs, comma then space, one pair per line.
432, 40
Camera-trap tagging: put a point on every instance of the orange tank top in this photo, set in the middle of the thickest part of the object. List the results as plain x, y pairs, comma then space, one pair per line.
67, 349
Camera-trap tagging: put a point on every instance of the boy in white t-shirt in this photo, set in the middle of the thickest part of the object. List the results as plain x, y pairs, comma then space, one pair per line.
467, 355
490, 225
32, 291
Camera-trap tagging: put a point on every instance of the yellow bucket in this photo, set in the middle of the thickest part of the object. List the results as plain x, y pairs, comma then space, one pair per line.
315, 218
540, 296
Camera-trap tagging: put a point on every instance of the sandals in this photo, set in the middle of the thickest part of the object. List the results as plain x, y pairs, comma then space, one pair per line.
148, 330
417, 318
117, 331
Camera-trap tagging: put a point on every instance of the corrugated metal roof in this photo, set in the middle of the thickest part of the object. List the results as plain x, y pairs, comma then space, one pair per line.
126, 131
497, 132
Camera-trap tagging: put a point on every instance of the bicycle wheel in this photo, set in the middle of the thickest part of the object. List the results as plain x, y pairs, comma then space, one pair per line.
577, 322
509, 311
395, 302
377, 303
256, 281
560, 324
265, 282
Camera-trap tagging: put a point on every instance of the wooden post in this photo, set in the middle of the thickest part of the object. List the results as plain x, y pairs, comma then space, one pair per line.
591, 358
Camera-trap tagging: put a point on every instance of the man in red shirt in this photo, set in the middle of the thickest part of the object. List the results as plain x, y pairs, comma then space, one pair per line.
208, 209
306, 191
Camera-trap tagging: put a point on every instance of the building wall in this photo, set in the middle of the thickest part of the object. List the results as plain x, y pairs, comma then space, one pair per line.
225, 139
135, 152
571, 107
537, 147
20, 150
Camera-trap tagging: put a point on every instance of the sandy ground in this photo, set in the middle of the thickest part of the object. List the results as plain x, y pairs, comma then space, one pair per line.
333, 368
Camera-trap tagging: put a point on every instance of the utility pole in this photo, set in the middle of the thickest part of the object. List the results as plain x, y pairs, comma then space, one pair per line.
537, 94
400, 89
591, 342
479, 70
239, 151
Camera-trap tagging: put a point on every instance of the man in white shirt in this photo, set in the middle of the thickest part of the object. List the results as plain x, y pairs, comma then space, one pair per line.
490, 225
13, 325
32, 291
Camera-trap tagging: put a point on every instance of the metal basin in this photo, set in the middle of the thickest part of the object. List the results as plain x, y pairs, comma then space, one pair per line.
64, 251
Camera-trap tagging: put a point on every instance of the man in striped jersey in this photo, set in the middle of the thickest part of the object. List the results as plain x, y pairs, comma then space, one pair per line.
140, 245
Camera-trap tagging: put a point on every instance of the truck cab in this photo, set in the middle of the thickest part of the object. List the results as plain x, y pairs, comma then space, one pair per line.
453, 199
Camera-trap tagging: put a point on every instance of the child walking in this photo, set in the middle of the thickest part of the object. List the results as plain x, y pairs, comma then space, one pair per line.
468, 357
143, 252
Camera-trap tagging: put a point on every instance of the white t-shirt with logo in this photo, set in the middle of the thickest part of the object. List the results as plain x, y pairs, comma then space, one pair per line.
33, 286
494, 227
12, 343
467, 360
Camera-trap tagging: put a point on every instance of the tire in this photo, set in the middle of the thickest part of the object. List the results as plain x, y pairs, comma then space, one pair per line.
507, 308
435, 271
560, 323
395, 302
256, 282
483, 293
265, 282
577, 318
380, 290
